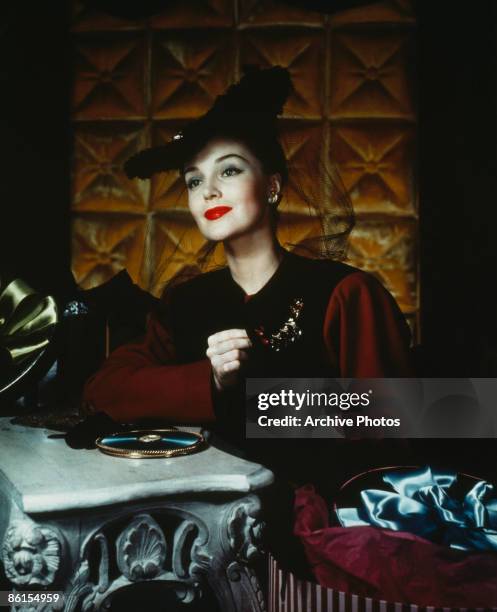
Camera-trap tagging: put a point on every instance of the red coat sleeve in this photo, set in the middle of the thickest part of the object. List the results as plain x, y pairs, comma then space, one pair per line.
141, 381
365, 333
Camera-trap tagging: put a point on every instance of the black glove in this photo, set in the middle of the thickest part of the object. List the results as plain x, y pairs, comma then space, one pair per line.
84, 434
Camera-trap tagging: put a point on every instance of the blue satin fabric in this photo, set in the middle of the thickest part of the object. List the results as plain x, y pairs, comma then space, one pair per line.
422, 505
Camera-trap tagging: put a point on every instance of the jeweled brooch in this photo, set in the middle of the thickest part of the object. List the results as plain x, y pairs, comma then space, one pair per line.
287, 333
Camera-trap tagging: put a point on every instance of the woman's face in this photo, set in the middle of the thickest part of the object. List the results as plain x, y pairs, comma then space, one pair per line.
228, 190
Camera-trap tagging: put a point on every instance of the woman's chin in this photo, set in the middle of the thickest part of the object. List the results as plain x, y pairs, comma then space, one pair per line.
222, 232
216, 235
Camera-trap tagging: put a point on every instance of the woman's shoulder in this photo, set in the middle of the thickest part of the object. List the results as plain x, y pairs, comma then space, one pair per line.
329, 269
338, 278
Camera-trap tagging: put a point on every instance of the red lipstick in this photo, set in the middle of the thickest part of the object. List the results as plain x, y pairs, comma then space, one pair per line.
215, 213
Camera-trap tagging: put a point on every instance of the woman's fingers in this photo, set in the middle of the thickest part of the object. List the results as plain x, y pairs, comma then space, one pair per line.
232, 366
226, 351
225, 346
225, 373
227, 334
219, 361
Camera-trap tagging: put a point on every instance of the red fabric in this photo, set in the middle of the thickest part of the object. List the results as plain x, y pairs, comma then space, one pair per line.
142, 381
389, 565
364, 333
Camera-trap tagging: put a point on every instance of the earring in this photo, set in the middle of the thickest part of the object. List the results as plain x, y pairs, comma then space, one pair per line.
273, 197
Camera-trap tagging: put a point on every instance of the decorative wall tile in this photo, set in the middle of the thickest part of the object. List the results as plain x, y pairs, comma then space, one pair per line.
302, 144
176, 246
110, 78
302, 52
99, 183
169, 192
86, 19
391, 11
296, 231
375, 161
105, 244
195, 14
189, 70
387, 249
369, 75
270, 12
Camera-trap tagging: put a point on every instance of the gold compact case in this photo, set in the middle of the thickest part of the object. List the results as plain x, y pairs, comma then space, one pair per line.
151, 443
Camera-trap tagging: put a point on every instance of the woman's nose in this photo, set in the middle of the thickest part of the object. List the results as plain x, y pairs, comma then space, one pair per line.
211, 190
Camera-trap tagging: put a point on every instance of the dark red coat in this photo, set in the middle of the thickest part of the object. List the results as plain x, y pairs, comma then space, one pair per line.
352, 328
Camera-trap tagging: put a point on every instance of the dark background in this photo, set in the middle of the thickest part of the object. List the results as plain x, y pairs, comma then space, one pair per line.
457, 51
457, 104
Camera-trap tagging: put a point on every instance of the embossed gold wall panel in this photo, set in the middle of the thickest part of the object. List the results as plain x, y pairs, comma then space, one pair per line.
302, 143
105, 244
375, 162
369, 75
176, 246
99, 183
295, 229
138, 81
110, 79
387, 248
189, 69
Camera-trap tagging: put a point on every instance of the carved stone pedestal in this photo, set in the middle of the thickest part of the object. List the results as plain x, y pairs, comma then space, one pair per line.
91, 525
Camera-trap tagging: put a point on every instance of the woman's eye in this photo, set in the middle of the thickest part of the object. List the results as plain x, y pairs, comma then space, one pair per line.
231, 171
192, 183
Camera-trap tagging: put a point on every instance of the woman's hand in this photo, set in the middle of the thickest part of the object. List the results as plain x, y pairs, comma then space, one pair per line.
227, 350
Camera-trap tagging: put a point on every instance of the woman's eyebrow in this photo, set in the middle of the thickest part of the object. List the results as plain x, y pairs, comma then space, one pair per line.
231, 155
219, 159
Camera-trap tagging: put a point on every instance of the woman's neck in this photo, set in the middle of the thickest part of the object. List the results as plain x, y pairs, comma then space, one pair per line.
252, 266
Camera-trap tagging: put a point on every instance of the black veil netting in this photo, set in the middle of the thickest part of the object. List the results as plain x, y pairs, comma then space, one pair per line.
315, 196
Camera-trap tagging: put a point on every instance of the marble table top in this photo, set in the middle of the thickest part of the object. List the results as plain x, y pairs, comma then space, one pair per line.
43, 474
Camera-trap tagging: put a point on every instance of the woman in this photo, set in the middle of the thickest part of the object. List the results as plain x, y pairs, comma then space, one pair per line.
268, 313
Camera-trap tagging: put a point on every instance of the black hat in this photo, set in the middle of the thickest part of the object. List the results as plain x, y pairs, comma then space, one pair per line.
247, 111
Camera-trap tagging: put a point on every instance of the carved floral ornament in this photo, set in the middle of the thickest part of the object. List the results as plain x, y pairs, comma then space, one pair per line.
31, 554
